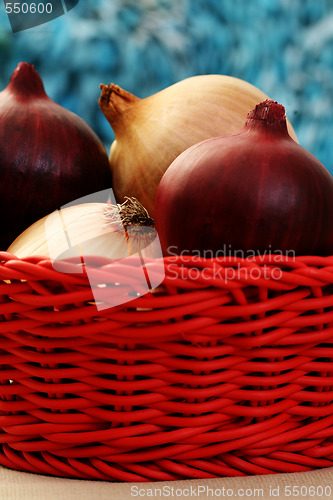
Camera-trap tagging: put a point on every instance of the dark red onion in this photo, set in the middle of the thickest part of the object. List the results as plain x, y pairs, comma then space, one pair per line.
48, 155
254, 192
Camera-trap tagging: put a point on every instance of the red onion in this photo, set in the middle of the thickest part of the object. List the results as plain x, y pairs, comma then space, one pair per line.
48, 155
251, 193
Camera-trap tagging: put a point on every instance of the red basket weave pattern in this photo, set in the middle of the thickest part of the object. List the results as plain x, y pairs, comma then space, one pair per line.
224, 370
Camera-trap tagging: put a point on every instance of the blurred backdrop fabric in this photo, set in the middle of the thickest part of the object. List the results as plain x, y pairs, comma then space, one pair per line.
283, 47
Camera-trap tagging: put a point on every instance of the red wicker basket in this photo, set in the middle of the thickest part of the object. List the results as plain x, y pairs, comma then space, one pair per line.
226, 369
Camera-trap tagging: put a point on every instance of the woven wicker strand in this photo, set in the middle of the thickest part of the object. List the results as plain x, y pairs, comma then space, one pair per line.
224, 369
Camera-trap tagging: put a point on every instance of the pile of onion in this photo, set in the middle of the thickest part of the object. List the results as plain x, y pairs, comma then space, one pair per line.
256, 191
151, 132
48, 155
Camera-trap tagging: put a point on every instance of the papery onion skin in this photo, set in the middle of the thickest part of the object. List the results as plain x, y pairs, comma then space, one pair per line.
48, 155
255, 192
80, 221
94, 229
151, 132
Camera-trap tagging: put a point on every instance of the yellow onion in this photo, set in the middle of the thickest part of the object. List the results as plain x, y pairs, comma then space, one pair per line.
98, 229
151, 132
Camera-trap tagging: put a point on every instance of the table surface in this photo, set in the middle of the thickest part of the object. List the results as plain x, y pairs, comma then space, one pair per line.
16, 485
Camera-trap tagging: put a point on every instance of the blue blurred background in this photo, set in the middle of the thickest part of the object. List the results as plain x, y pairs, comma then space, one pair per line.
283, 47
